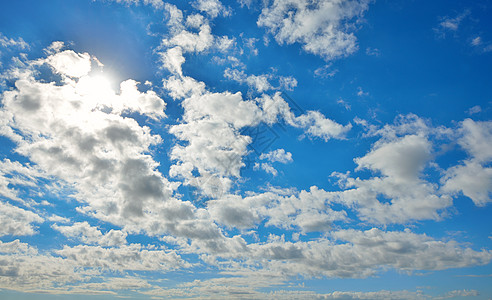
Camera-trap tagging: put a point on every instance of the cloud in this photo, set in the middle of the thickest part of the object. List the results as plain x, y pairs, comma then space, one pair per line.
473, 178
314, 123
91, 235
261, 83
308, 211
9, 42
13, 173
213, 8
373, 51
474, 110
451, 24
278, 155
326, 71
16, 221
322, 27
158, 4
126, 257
70, 63
79, 135
397, 191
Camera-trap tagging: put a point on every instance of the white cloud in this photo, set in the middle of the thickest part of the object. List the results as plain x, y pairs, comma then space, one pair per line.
82, 139
473, 178
13, 173
476, 41
397, 191
192, 42
326, 71
476, 139
213, 8
278, 155
361, 93
70, 63
322, 27
126, 257
158, 4
314, 123
459, 293
173, 59
474, 110
373, 51
261, 83
450, 24
353, 253
16, 221
306, 210
91, 235
12, 43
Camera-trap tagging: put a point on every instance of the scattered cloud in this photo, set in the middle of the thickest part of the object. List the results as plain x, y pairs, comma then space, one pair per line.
327, 33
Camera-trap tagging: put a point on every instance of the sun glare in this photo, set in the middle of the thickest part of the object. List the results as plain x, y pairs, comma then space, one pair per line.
95, 85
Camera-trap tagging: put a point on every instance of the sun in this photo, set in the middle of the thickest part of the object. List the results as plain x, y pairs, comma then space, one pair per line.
99, 85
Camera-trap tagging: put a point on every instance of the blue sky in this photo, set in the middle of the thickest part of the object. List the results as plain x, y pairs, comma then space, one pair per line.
245, 149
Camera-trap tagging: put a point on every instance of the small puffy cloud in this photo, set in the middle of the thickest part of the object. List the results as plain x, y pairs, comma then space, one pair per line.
261, 83
326, 71
278, 155
318, 125
474, 110
373, 51
322, 27
213, 8
9, 42
450, 24
361, 92
192, 42
70, 63
476, 41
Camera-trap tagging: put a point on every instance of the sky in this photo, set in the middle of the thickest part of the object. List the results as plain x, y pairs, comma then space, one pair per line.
276, 149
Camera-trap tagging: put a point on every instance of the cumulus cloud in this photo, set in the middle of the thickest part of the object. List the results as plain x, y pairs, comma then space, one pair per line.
308, 211
213, 8
13, 173
278, 155
16, 221
322, 27
70, 63
397, 191
355, 253
261, 83
77, 133
126, 257
91, 235
6, 42
473, 178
